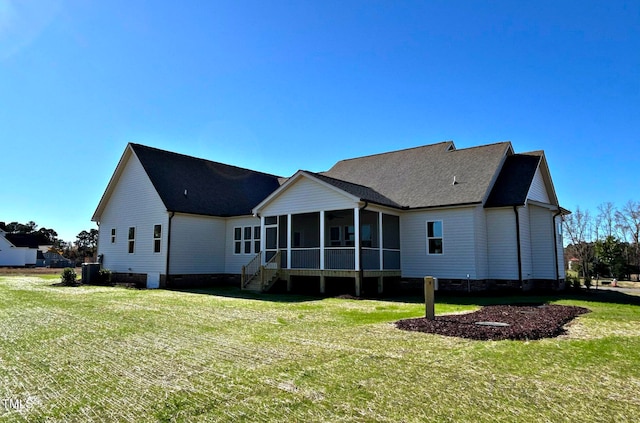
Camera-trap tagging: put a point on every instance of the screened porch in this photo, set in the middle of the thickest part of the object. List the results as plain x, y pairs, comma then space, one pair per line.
350, 239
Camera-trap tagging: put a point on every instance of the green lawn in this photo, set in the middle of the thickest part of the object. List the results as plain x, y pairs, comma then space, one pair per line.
112, 354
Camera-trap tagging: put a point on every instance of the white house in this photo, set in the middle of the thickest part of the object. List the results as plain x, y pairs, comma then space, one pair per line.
14, 252
476, 218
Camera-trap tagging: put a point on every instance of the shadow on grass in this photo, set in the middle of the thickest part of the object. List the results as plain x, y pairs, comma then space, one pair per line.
598, 296
235, 292
477, 299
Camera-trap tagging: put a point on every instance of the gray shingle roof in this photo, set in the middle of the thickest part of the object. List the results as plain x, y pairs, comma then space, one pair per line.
513, 183
360, 191
213, 189
423, 176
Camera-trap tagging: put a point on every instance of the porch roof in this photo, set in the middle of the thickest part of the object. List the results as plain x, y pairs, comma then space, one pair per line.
362, 192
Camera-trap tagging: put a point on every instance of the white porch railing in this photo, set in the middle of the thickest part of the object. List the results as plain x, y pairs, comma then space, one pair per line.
343, 258
340, 258
305, 258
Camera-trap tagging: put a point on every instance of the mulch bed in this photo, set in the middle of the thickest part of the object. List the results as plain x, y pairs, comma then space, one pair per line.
522, 322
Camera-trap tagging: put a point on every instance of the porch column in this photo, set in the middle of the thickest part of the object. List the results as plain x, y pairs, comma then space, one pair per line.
356, 234
380, 241
322, 244
263, 241
356, 244
289, 231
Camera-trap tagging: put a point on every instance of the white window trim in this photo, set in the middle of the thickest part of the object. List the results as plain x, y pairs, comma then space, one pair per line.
237, 241
113, 235
157, 239
434, 237
252, 239
129, 240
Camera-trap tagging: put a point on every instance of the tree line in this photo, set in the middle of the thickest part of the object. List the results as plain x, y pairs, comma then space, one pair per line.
85, 245
605, 243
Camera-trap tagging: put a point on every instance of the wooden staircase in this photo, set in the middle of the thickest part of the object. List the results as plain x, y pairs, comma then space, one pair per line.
260, 278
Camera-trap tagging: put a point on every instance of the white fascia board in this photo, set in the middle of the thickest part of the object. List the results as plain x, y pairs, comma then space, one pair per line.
292, 180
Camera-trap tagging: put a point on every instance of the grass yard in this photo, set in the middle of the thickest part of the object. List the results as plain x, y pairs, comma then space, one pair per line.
83, 354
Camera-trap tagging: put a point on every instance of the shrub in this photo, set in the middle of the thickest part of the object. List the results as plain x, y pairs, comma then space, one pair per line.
68, 277
104, 277
572, 281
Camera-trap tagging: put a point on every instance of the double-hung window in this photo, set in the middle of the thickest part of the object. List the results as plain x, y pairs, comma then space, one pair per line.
434, 237
132, 240
246, 240
157, 238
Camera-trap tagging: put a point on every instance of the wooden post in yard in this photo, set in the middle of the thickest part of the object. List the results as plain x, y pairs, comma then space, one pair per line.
429, 298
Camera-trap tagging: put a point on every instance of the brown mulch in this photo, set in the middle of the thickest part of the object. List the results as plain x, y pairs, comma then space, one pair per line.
524, 322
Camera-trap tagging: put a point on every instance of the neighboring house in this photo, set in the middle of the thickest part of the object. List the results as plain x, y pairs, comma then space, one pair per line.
17, 250
475, 218
54, 259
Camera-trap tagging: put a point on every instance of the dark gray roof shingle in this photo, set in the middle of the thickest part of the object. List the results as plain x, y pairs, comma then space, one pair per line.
423, 176
513, 183
213, 189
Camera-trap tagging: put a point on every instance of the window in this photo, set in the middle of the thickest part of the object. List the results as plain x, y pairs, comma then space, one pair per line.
157, 238
335, 236
256, 239
365, 235
246, 240
113, 235
434, 237
349, 235
132, 240
237, 240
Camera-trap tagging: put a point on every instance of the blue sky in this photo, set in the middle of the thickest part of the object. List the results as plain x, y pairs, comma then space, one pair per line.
278, 86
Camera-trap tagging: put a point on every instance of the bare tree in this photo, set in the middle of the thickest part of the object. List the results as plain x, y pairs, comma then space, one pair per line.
606, 220
628, 222
579, 227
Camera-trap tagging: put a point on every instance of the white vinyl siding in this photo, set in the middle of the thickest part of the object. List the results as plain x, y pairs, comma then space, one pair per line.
502, 244
525, 243
538, 189
458, 258
16, 256
542, 244
482, 267
305, 196
133, 203
234, 262
197, 245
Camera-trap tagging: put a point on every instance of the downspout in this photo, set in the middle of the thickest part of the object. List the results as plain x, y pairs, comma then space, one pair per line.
515, 210
555, 245
171, 214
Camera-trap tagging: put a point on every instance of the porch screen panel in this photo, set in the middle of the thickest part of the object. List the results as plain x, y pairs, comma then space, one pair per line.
369, 233
390, 231
282, 229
